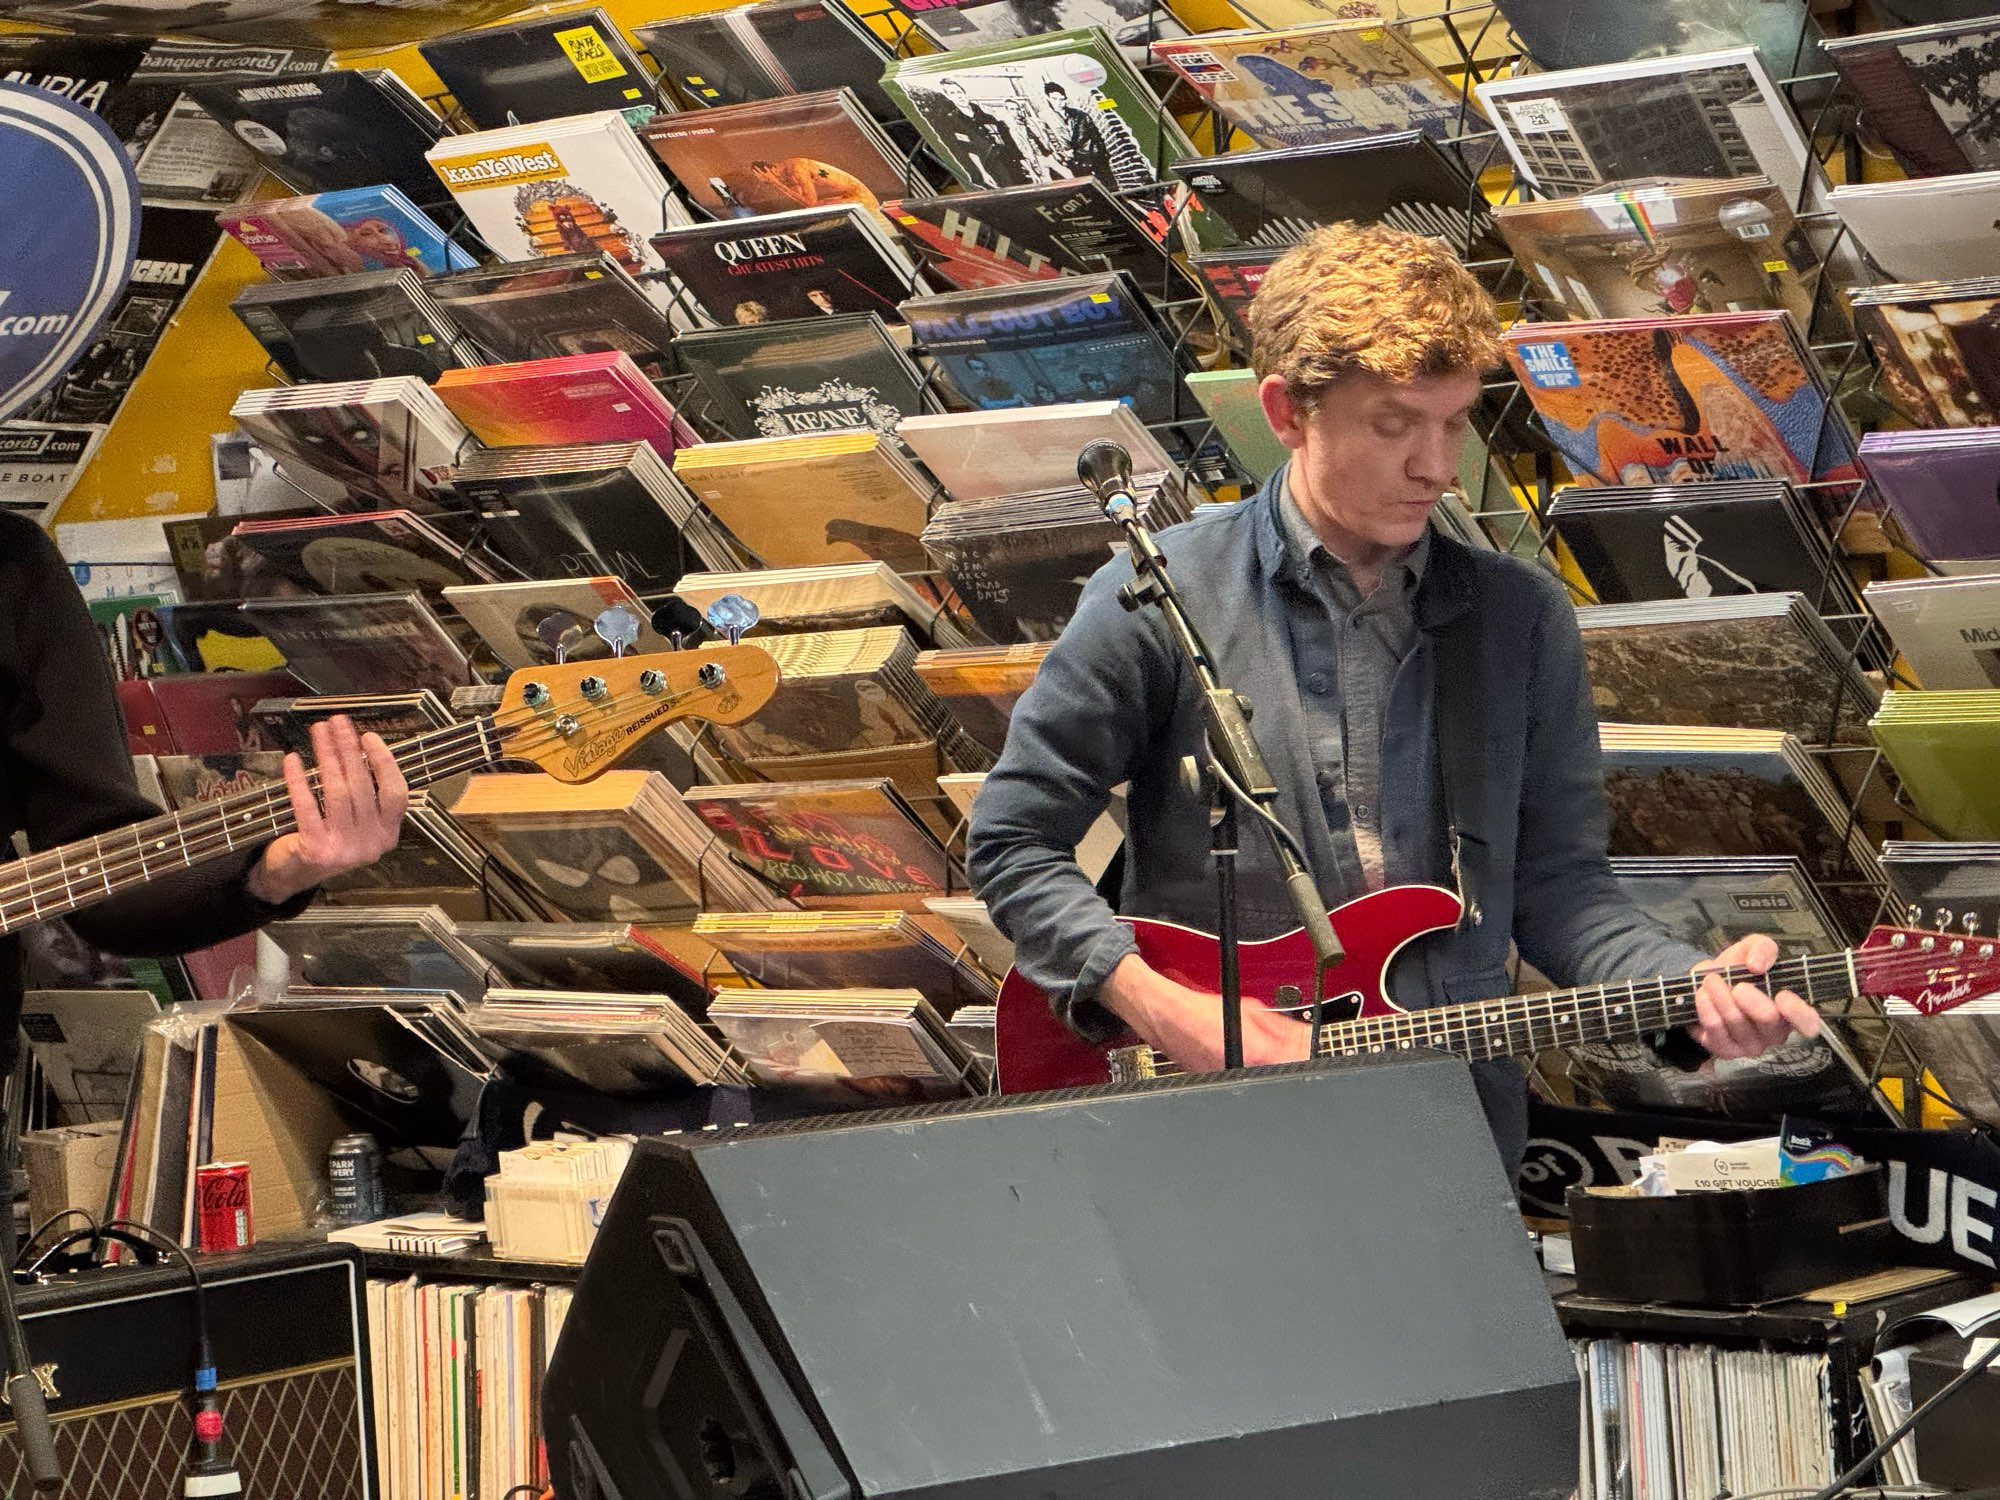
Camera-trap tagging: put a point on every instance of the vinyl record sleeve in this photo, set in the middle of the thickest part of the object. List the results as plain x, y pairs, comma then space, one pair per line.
328, 131
573, 64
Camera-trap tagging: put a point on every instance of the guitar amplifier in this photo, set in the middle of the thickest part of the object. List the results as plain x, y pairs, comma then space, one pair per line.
1299, 1281
286, 1325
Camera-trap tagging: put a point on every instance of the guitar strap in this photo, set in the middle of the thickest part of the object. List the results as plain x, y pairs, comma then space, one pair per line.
1458, 649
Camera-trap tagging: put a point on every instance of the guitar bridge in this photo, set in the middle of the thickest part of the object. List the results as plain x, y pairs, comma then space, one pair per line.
1133, 1064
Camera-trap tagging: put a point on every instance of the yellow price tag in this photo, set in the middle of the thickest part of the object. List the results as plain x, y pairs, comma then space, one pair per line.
425, 338
1775, 266
1100, 296
587, 49
593, 275
1371, 36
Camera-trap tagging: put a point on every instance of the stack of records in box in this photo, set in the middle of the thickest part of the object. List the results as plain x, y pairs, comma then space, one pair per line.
618, 1046
849, 703
1723, 395
1672, 246
980, 455
358, 327
766, 51
384, 442
1071, 104
569, 64
1947, 628
1944, 747
800, 263
1366, 77
1402, 178
337, 234
561, 187
813, 498
1680, 791
806, 375
1748, 661
799, 151
972, 924
576, 398
622, 847
566, 304
981, 684
589, 509
826, 950
1935, 343
603, 957
1940, 484
550, 620
829, 844
1020, 561
1635, 543
878, 1044
837, 596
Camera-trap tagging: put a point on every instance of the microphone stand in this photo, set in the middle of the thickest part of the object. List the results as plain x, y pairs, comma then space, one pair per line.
23, 1387
1234, 770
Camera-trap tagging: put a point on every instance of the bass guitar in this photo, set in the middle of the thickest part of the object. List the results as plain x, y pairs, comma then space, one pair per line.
572, 720
1930, 971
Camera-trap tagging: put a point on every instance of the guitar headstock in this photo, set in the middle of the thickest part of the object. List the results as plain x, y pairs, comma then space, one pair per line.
575, 719
1932, 970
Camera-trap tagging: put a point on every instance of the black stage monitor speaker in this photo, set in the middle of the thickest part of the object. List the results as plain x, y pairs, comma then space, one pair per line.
1304, 1282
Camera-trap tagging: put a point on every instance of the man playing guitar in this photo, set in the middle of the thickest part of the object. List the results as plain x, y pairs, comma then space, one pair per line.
1422, 704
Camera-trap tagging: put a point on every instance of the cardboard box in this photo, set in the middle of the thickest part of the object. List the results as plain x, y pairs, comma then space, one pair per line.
69, 1167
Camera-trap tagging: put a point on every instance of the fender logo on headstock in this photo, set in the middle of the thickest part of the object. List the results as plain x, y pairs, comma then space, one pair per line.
1943, 989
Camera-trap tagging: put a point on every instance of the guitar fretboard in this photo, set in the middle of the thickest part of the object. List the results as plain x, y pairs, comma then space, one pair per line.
60, 880
1521, 1025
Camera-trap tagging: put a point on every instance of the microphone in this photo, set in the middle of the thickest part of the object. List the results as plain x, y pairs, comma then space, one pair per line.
1105, 469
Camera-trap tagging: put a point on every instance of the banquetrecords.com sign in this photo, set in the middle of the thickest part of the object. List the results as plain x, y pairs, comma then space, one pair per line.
66, 250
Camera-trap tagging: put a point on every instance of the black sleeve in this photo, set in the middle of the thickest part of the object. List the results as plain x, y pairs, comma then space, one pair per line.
67, 770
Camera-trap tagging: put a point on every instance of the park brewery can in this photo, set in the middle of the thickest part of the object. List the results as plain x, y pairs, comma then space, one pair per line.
354, 1180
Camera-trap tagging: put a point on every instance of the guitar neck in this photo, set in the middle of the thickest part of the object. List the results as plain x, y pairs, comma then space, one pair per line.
60, 880
1521, 1025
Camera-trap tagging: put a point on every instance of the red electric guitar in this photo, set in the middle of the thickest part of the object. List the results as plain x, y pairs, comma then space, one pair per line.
1931, 971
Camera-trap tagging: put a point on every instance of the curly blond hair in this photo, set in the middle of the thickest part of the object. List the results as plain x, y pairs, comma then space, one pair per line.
1368, 297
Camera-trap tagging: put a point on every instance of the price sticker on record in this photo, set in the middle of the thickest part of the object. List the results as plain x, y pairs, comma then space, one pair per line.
65, 264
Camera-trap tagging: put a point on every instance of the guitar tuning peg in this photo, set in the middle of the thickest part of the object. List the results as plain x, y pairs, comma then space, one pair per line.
554, 631
618, 628
1943, 915
1913, 915
1969, 923
733, 615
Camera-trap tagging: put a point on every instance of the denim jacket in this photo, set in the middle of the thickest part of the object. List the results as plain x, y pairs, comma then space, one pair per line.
1113, 703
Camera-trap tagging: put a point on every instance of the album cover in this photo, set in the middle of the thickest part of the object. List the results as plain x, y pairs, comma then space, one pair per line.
1587, 33
579, 398
1133, 24
370, 552
1403, 179
1707, 396
1762, 661
1230, 399
845, 950
595, 513
360, 327
799, 151
816, 497
1924, 92
1941, 486
1043, 109
828, 843
190, 781
181, 153
386, 442
363, 643
1231, 278
1666, 248
811, 262
330, 131
548, 620
1710, 114
1031, 233
337, 234
576, 186
763, 51
175, 245
981, 685
1940, 745
566, 304
576, 63
90, 72
1082, 338
1924, 228
1939, 348
610, 957
1948, 629
212, 713
806, 375
1308, 85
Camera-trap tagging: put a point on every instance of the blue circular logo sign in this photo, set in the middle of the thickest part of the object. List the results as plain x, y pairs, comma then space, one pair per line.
66, 252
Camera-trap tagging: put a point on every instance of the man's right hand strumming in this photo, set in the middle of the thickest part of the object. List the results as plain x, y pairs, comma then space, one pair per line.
1186, 1024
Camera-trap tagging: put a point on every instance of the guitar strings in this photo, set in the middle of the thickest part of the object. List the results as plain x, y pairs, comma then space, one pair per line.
262, 811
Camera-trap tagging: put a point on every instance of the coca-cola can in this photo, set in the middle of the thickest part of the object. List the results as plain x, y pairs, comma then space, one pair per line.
222, 1191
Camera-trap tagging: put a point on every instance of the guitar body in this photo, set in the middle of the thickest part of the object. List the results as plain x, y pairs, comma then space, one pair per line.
1035, 1051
